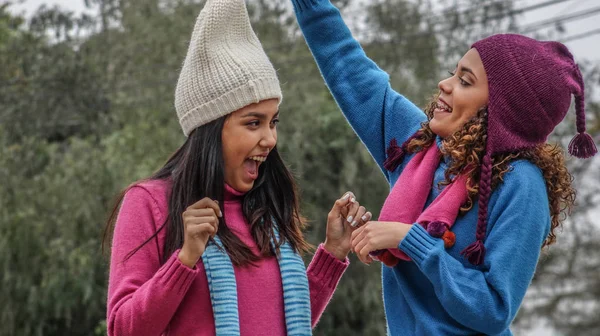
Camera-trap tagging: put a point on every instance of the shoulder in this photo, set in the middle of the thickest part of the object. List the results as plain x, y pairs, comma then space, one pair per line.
151, 195
156, 189
521, 197
523, 177
142, 214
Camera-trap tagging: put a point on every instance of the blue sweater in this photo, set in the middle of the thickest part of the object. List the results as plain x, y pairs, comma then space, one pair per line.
439, 292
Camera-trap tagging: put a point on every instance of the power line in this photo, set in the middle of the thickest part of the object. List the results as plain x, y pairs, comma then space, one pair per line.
496, 17
580, 36
558, 19
438, 18
532, 7
451, 10
568, 9
529, 28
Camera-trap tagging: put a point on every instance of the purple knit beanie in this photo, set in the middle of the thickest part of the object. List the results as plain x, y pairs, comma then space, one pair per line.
530, 87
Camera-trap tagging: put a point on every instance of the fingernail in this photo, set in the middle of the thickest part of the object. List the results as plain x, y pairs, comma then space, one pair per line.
220, 213
364, 218
346, 196
353, 200
353, 224
350, 219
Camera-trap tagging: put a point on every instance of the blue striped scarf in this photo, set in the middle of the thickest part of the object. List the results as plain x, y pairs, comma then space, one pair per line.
223, 290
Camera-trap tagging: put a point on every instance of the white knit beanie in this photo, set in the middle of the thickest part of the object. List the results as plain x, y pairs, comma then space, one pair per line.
225, 68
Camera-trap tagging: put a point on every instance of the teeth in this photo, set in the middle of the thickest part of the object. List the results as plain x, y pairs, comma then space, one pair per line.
443, 106
258, 158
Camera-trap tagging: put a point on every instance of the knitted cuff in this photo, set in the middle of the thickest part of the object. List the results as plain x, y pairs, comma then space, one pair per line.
175, 275
327, 267
418, 244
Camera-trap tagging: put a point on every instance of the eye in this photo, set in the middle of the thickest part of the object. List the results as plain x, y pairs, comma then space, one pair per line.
463, 82
460, 80
274, 123
254, 123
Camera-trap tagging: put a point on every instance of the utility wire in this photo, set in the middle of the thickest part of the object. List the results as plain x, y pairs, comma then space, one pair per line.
450, 10
576, 37
496, 17
530, 28
559, 19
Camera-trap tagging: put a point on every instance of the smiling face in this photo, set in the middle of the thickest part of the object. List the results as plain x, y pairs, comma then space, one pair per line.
248, 136
461, 96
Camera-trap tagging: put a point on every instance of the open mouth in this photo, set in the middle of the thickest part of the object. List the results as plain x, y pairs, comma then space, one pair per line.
440, 106
251, 165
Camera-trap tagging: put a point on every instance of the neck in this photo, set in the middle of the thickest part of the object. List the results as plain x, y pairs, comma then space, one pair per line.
232, 194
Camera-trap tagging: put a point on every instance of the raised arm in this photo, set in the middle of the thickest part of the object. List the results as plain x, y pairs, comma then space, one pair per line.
142, 295
361, 89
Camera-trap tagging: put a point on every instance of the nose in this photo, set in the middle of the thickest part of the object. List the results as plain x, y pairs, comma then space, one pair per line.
269, 138
445, 85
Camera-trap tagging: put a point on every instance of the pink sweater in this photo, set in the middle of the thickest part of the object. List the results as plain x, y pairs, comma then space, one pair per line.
146, 298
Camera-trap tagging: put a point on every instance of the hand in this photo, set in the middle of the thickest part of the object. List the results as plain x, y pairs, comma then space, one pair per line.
344, 217
200, 223
377, 236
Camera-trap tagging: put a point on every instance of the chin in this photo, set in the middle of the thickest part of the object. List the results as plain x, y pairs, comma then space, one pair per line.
245, 187
433, 125
438, 129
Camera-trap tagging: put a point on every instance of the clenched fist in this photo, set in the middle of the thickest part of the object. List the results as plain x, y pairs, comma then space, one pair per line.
200, 222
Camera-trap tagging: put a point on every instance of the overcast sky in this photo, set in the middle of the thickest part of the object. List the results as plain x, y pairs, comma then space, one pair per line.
585, 48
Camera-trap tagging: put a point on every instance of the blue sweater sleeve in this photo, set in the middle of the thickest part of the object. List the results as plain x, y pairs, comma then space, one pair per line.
486, 298
361, 89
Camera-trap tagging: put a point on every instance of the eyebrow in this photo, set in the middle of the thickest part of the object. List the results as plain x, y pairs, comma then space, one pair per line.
465, 69
258, 115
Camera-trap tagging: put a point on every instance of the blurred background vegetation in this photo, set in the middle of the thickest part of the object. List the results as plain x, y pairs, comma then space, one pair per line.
86, 108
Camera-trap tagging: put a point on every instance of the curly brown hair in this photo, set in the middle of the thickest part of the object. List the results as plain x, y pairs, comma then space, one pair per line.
465, 149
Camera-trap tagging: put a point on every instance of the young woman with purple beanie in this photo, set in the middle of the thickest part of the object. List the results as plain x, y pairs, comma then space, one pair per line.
476, 191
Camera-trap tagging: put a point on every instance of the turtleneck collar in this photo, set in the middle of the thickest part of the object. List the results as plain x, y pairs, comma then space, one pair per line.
232, 194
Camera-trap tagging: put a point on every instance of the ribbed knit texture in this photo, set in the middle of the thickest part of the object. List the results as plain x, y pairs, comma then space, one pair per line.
145, 298
530, 87
225, 68
223, 289
439, 292
406, 201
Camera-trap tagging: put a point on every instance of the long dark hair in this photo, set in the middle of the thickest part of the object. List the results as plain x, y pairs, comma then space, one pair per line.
196, 170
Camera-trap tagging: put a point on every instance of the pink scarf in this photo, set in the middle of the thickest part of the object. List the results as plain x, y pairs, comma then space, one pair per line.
407, 199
